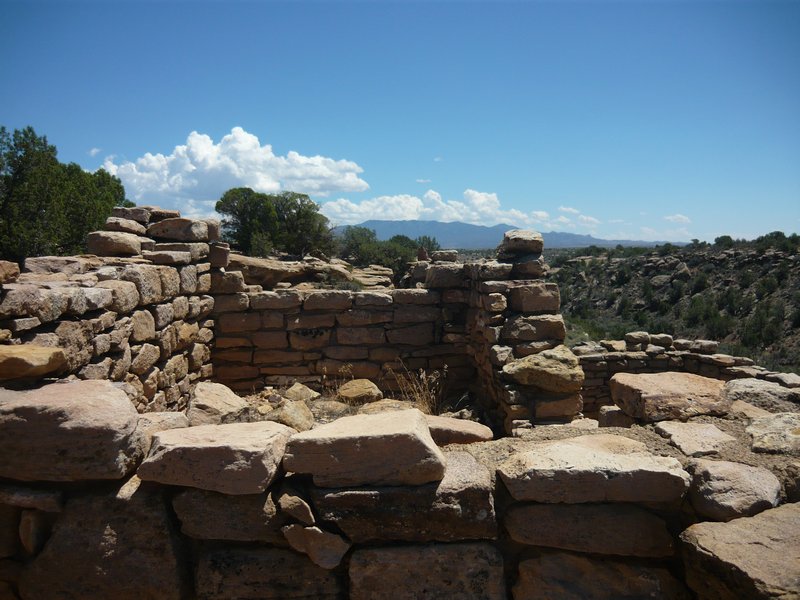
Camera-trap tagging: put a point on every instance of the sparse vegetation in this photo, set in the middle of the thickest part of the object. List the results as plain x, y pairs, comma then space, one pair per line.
426, 391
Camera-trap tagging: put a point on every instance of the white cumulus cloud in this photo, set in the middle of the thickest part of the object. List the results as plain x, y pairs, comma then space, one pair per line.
569, 209
677, 218
587, 220
94, 151
198, 172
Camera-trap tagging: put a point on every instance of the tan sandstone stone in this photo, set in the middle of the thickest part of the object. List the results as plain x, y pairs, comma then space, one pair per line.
358, 391
214, 403
27, 360
446, 430
324, 548
554, 370
113, 243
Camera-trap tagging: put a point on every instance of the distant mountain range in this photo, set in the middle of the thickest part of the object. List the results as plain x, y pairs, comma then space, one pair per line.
470, 237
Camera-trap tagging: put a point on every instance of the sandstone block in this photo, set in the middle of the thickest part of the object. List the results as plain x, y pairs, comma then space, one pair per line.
153, 422
384, 449
113, 243
616, 529
752, 557
167, 257
143, 326
777, 434
214, 404
415, 296
694, 439
568, 576
416, 335
653, 397
637, 337
521, 241
593, 468
358, 391
308, 339
238, 458
723, 490
68, 432
275, 300
206, 515
23, 497
763, 394
179, 229
298, 391
325, 549
534, 328
140, 214
119, 545
555, 370
459, 507
124, 295
147, 279
27, 360
468, 570
358, 336
446, 430
535, 297
445, 275
360, 317
294, 414
328, 300
262, 573
9, 271
530, 266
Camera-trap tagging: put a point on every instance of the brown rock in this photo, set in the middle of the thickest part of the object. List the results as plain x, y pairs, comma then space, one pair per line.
694, 439
262, 574
124, 295
535, 297
446, 430
298, 391
147, 279
555, 370
124, 225
763, 394
593, 468
460, 507
614, 416
653, 397
384, 449
23, 497
268, 272
179, 229
144, 326
416, 335
534, 328
9, 271
239, 458
574, 577
119, 545
9, 527
752, 557
153, 422
27, 360
322, 547
777, 434
68, 432
113, 243
385, 405
445, 275
521, 241
467, 570
214, 404
294, 414
358, 391
618, 529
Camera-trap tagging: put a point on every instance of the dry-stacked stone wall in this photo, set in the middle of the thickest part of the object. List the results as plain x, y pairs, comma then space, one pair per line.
136, 311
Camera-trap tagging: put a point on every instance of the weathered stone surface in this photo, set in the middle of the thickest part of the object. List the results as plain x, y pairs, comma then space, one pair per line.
565, 576
460, 507
143, 326
214, 403
119, 545
752, 557
529, 266
167, 257
763, 394
298, 391
113, 243
21, 300
153, 422
747, 410
24, 497
294, 414
653, 397
618, 529
147, 279
534, 328
521, 241
140, 214
324, 548
206, 515
328, 300
359, 391
9, 527
614, 416
469, 570
593, 468
292, 504
124, 225
238, 458
385, 405
384, 449
778, 433
262, 574
554, 370
9, 271
445, 275
68, 432
447, 430
723, 490
535, 297
124, 295
27, 360
694, 439
179, 229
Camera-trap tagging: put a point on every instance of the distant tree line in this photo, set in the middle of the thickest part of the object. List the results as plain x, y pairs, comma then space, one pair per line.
47, 207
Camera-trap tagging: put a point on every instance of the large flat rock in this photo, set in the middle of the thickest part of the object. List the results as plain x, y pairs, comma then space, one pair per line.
654, 397
262, 574
768, 395
694, 439
447, 430
615, 529
119, 545
593, 468
27, 360
723, 490
555, 370
566, 576
752, 557
74, 431
214, 403
383, 449
238, 458
776, 434
459, 507
443, 571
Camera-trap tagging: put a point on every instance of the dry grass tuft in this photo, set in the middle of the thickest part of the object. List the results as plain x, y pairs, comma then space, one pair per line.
425, 390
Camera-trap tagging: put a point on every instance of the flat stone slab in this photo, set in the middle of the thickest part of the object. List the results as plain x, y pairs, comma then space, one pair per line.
694, 439
447, 430
81, 430
768, 395
460, 507
776, 434
27, 360
383, 449
262, 573
469, 570
555, 370
214, 403
616, 529
652, 397
562, 575
723, 490
593, 468
752, 557
238, 458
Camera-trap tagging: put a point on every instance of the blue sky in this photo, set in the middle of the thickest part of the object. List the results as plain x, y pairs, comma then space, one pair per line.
638, 120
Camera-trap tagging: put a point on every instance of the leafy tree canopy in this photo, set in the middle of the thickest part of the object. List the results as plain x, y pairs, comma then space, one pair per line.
257, 223
361, 246
47, 207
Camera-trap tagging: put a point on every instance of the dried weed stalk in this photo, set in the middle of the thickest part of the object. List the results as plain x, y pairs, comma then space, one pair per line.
425, 390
